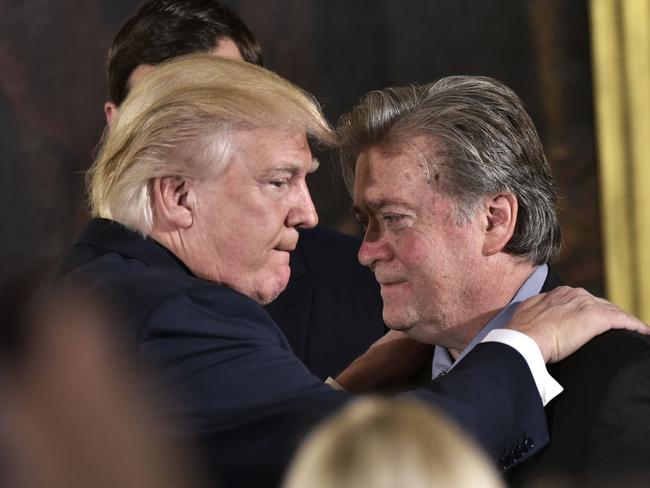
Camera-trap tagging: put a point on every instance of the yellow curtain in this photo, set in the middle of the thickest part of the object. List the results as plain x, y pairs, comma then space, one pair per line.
620, 31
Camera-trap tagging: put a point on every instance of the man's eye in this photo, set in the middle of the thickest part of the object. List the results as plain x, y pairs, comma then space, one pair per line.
278, 183
392, 218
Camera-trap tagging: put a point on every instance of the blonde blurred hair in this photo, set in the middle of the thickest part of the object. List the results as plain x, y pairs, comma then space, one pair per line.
388, 444
176, 122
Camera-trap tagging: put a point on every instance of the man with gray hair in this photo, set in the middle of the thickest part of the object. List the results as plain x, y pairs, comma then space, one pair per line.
460, 209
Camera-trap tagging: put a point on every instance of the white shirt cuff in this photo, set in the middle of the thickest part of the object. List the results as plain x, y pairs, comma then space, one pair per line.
547, 386
333, 383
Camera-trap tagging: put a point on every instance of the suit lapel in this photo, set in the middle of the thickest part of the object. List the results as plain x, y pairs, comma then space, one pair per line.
523, 473
552, 281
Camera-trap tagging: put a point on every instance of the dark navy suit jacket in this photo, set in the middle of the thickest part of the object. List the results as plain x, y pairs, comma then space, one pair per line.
600, 424
331, 309
238, 391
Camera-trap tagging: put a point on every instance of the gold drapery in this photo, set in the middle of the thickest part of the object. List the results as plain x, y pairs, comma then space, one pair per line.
620, 31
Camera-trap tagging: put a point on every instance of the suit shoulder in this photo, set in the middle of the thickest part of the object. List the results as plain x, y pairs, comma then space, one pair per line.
153, 298
214, 300
210, 310
618, 343
603, 356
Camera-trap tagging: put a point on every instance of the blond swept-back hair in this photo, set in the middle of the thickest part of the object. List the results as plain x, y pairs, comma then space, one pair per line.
177, 121
386, 444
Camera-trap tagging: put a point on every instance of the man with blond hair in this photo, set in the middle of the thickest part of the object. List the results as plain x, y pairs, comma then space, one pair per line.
330, 311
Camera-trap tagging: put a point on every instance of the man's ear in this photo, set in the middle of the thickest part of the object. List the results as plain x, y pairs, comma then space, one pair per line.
110, 111
173, 202
501, 217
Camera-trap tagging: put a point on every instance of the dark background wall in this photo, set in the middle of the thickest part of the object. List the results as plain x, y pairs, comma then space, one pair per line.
52, 89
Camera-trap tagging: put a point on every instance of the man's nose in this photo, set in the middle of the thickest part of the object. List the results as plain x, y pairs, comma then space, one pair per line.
373, 248
303, 214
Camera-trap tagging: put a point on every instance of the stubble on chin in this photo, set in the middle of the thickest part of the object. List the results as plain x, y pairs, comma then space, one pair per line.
434, 329
399, 319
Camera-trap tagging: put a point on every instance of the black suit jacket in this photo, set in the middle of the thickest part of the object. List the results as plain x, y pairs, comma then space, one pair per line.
600, 424
331, 311
238, 391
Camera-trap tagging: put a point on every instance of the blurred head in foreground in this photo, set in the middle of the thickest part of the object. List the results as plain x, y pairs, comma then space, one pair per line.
382, 443
72, 412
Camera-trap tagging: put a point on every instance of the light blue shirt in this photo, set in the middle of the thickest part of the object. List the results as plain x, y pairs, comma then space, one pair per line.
442, 360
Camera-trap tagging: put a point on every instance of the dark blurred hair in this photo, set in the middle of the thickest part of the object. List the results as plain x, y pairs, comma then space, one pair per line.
164, 29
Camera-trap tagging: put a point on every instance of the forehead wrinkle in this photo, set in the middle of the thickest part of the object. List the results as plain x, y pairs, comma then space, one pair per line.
409, 162
420, 149
385, 181
377, 202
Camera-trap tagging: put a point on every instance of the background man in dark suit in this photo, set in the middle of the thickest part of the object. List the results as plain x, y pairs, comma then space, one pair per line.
331, 309
451, 181
201, 146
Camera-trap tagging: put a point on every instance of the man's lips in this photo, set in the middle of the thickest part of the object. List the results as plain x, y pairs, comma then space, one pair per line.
393, 288
289, 248
387, 278
388, 283
286, 248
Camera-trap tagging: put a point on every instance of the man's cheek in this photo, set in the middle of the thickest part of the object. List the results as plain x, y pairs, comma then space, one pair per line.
415, 252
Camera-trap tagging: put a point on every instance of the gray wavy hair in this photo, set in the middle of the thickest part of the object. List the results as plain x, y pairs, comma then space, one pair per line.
481, 141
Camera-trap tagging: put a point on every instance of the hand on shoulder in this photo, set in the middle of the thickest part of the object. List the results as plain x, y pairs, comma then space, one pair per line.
563, 320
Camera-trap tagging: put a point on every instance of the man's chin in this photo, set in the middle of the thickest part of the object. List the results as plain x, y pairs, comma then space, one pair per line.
274, 286
398, 321
264, 297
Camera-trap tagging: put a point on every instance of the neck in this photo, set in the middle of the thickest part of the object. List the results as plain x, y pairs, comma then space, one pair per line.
496, 290
174, 243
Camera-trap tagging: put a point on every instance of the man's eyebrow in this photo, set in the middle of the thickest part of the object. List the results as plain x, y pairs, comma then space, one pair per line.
378, 204
293, 168
286, 167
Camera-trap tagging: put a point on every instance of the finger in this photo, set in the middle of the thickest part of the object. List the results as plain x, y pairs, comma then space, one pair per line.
629, 322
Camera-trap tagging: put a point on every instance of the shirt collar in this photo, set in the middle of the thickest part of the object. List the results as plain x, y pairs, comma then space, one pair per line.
442, 360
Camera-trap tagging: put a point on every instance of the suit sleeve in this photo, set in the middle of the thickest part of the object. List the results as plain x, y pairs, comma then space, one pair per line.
238, 388
491, 394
